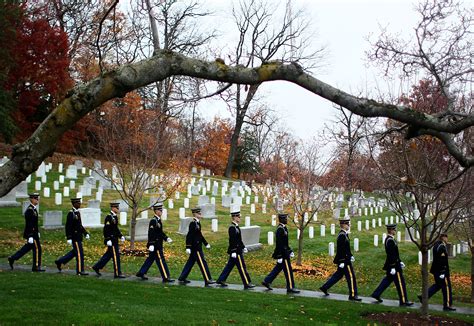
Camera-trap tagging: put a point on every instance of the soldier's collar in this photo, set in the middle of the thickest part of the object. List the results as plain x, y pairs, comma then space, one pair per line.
74, 209
236, 224
34, 206
390, 236
113, 214
157, 217
196, 219
346, 232
282, 224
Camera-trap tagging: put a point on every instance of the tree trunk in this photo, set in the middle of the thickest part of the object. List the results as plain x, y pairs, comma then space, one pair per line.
133, 223
472, 274
233, 145
300, 249
424, 282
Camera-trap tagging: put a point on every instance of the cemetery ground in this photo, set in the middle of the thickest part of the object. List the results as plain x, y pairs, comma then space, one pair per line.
59, 298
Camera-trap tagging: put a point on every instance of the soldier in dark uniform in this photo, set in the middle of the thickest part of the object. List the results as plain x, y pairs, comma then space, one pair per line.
32, 236
156, 236
283, 255
343, 260
194, 241
393, 267
112, 235
74, 233
440, 271
236, 250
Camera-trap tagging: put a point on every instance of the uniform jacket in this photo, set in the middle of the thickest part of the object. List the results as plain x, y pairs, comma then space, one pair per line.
282, 249
74, 228
393, 257
194, 238
156, 235
440, 259
111, 230
343, 253
31, 222
235, 240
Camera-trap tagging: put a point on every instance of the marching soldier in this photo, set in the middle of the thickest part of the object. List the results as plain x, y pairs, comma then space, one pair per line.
74, 233
343, 260
440, 271
236, 250
112, 235
194, 241
32, 236
393, 267
283, 255
156, 236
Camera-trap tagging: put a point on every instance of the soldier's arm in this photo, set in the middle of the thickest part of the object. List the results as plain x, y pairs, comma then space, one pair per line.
190, 235
392, 260
341, 241
29, 222
279, 243
151, 230
69, 225
443, 252
107, 226
233, 239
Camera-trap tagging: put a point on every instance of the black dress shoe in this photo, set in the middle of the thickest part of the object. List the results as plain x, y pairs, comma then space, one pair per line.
38, 270
58, 265
168, 280
379, 299
355, 299
449, 309
120, 276
249, 286
267, 285
292, 291
143, 277
406, 304
96, 270
184, 281
82, 274
10, 262
211, 282
323, 290
222, 284
420, 298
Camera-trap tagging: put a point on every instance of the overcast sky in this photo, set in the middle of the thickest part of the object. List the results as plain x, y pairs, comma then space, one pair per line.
343, 26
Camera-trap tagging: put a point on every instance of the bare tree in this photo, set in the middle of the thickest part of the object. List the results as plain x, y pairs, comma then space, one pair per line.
127, 141
262, 38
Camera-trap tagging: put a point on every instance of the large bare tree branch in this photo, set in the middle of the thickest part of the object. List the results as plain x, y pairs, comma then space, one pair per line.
84, 98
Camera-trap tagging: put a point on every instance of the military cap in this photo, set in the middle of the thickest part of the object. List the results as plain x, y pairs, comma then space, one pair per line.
196, 210
75, 200
391, 226
34, 195
158, 207
114, 205
234, 214
345, 220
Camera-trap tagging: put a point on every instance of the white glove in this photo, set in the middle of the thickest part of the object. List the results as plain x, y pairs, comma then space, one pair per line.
69, 241
441, 276
341, 265
30, 240
109, 243
188, 251
208, 246
292, 255
280, 260
151, 248
88, 236
353, 259
245, 250
39, 235
233, 255
402, 264
392, 271
169, 240
122, 239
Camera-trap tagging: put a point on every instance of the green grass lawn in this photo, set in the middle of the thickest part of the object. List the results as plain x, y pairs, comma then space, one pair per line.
30, 298
369, 260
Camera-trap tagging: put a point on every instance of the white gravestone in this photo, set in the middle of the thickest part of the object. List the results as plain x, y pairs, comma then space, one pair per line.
9, 200
323, 230
356, 244
270, 238
214, 225
247, 220
367, 223
359, 226
333, 229
46, 192
90, 217
273, 220
399, 236
123, 218
71, 172
141, 229
58, 198
264, 208
203, 200
66, 192
186, 202
226, 201
376, 240
331, 249
37, 185
184, 225
208, 211
182, 212
56, 185
21, 190
252, 209
251, 237
170, 204
53, 220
